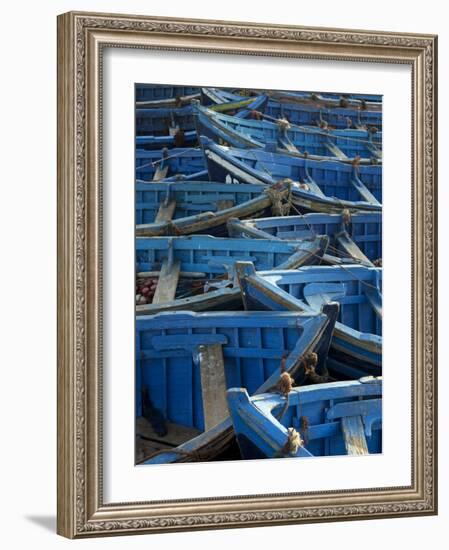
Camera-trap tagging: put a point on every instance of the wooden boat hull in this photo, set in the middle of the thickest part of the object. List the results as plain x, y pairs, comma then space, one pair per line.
294, 107
168, 103
317, 144
151, 142
155, 92
160, 165
352, 239
357, 337
329, 101
173, 371
340, 118
158, 121
327, 187
200, 207
339, 418
215, 259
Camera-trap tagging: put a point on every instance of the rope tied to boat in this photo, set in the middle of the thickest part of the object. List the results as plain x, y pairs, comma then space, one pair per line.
283, 124
304, 427
309, 363
293, 443
285, 384
346, 216
280, 204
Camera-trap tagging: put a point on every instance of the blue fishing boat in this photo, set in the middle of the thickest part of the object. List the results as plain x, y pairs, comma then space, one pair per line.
185, 362
338, 418
322, 101
355, 238
197, 272
225, 101
174, 138
177, 165
311, 115
163, 121
281, 137
298, 109
357, 337
168, 103
317, 186
176, 208
155, 92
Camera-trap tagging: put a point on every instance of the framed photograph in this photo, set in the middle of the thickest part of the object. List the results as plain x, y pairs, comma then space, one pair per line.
247, 311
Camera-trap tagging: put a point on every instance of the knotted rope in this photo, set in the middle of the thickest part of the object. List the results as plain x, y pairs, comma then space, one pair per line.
283, 124
309, 363
280, 204
292, 444
346, 216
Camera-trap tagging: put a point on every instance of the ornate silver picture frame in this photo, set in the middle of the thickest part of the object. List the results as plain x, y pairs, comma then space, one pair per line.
82, 39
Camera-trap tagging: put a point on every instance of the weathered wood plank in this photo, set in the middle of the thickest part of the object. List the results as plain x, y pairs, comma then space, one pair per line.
188, 274
213, 384
160, 173
364, 191
336, 151
374, 298
167, 282
314, 187
165, 212
224, 204
354, 435
349, 246
176, 433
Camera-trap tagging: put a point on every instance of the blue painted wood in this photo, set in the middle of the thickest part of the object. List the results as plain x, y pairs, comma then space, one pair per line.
216, 257
149, 142
162, 122
296, 113
193, 201
358, 332
315, 116
152, 92
316, 143
269, 335
364, 228
182, 161
316, 186
330, 101
315, 412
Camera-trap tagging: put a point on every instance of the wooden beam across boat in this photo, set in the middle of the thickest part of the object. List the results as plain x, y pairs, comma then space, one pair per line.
182, 274
213, 384
375, 299
167, 282
363, 190
160, 173
349, 246
354, 435
165, 212
336, 150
